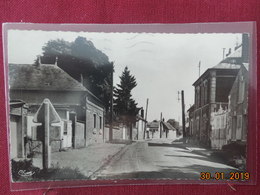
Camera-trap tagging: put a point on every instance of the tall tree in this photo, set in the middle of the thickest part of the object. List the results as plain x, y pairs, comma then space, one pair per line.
124, 105
80, 59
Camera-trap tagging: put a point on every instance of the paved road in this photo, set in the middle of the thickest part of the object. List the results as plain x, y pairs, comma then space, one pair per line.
159, 159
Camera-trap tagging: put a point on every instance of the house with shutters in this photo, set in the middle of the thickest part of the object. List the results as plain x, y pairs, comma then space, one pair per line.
81, 112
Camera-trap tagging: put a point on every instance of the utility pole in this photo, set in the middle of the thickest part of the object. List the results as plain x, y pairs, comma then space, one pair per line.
146, 109
183, 116
160, 125
110, 133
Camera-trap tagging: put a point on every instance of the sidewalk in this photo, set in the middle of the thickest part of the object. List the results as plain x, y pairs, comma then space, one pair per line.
86, 160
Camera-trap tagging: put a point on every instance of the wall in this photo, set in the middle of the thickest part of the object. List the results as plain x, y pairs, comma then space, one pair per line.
219, 128
17, 131
79, 135
140, 128
94, 127
238, 117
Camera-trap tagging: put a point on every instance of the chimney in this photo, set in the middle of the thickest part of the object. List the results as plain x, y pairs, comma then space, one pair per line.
229, 52
56, 61
245, 48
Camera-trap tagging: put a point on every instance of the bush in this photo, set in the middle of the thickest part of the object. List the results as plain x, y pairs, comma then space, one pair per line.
23, 170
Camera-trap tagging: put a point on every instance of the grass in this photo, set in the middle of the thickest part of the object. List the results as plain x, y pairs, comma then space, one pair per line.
24, 171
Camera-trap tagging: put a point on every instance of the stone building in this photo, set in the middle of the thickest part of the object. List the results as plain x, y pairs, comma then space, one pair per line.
81, 112
212, 91
238, 108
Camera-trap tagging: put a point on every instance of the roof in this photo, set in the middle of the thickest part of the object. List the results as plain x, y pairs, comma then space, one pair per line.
224, 65
168, 126
232, 62
221, 66
16, 103
191, 108
42, 77
153, 124
237, 53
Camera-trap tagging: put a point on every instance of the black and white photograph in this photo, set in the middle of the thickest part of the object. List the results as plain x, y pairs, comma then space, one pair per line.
127, 105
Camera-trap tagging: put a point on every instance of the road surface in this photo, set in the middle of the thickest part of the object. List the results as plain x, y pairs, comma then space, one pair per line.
159, 159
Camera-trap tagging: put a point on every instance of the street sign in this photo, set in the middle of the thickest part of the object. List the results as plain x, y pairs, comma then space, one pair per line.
53, 117
46, 115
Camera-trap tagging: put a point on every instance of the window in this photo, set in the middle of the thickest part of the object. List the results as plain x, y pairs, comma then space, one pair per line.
100, 122
198, 97
202, 95
206, 92
241, 89
239, 127
95, 120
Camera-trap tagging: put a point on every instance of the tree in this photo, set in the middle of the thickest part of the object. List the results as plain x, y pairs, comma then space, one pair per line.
124, 105
80, 59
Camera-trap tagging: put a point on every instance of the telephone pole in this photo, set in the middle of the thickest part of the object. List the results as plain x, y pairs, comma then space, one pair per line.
183, 116
110, 133
146, 110
160, 125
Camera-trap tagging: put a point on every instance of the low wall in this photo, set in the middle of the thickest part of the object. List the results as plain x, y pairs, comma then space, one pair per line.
79, 135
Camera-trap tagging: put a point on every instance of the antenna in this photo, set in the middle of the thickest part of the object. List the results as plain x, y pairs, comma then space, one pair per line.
224, 53
178, 96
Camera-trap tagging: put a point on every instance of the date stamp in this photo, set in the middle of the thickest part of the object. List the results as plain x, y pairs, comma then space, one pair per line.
236, 176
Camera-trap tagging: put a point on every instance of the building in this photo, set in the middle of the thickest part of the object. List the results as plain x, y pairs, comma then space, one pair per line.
81, 112
168, 131
238, 108
212, 90
140, 125
160, 129
18, 112
190, 121
152, 129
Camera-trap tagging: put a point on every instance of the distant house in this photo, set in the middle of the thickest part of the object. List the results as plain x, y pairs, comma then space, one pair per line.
152, 130
168, 131
121, 131
160, 129
82, 113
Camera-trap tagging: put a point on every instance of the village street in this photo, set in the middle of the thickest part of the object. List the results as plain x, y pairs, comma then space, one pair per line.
161, 159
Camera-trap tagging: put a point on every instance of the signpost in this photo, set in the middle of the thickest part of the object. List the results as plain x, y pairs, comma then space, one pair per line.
46, 115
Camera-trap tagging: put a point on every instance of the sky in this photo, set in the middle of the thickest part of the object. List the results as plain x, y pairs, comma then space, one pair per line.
162, 63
